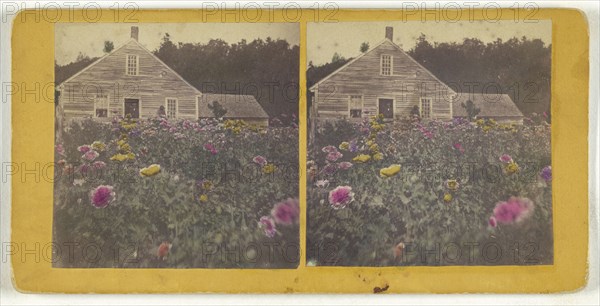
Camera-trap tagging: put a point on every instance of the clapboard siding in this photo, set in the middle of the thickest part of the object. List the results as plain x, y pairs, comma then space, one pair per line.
152, 86
409, 83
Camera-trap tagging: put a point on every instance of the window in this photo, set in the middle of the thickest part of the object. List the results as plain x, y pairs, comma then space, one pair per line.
425, 108
386, 64
355, 106
132, 65
171, 108
101, 106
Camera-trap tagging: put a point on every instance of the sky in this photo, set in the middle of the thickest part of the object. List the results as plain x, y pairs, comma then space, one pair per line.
345, 38
88, 38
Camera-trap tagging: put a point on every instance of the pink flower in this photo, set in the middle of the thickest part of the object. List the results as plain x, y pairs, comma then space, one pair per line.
329, 149
514, 210
341, 196
505, 158
102, 196
210, 148
84, 148
268, 225
286, 212
60, 150
458, 146
344, 165
99, 165
90, 155
492, 221
333, 156
259, 160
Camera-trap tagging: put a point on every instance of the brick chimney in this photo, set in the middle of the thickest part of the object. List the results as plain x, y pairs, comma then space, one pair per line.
389, 33
135, 32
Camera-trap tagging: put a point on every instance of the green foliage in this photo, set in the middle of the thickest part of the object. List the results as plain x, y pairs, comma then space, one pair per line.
221, 232
364, 47
409, 208
337, 58
217, 109
108, 46
519, 67
472, 110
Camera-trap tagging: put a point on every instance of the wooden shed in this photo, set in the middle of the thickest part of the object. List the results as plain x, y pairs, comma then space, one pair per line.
243, 107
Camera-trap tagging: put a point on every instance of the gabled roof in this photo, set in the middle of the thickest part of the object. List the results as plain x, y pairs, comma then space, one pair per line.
312, 88
123, 45
237, 106
490, 105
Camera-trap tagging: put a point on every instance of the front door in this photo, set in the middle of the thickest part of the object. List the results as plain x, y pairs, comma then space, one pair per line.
386, 107
132, 108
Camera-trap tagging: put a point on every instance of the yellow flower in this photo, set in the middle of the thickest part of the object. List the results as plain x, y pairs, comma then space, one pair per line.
512, 168
452, 184
380, 116
362, 158
374, 148
98, 146
119, 157
370, 143
487, 128
447, 198
125, 147
203, 198
480, 122
151, 170
268, 168
207, 185
389, 171
377, 156
236, 130
122, 142
130, 155
344, 146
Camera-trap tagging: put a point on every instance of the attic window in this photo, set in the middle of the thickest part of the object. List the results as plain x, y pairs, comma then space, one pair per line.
386, 64
132, 65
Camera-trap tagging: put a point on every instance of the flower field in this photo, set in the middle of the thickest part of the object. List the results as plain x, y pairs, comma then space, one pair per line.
156, 193
430, 193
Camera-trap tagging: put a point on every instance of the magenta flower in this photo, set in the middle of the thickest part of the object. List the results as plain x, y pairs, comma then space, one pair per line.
458, 147
102, 196
329, 149
210, 148
84, 148
546, 173
259, 160
268, 225
344, 165
492, 221
340, 197
90, 155
286, 212
514, 210
333, 156
505, 158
